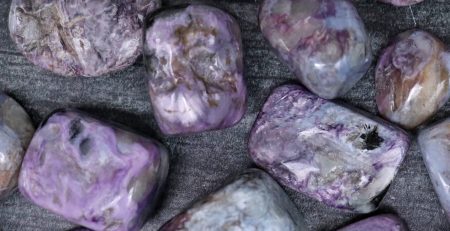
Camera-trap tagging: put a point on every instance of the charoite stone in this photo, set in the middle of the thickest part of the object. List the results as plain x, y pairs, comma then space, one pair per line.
194, 58
384, 222
412, 78
16, 130
434, 143
329, 152
73, 37
93, 173
324, 42
402, 2
253, 201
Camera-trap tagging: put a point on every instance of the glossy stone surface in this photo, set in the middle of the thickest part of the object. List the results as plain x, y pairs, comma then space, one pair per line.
93, 173
80, 38
195, 64
327, 151
412, 78
253, 201
16, 130
434, 143
323, 42
402, 2
384, 222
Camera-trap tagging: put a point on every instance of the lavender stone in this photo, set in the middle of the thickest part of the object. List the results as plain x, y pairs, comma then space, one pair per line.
72, 37
253, 201
434, 143
385, 222
412, 78
16, 130
195, 64
324, 42
402, 2
329, 152
94, 174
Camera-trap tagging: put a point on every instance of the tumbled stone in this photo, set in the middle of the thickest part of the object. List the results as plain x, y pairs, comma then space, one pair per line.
384, 222
93, 173
412, 78
327, 151
253, 201
323, 42
80, 38
434, 143
402, 2
195, 63
16, 130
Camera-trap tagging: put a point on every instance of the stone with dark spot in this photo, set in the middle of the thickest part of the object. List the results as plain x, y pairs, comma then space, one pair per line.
384, 222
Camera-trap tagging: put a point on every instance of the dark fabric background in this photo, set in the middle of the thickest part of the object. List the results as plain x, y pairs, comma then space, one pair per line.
200, 163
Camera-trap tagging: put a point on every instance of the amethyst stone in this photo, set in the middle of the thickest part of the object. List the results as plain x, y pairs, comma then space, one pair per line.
324, 42
385, 222
94, 174
253, 201
329, 152
402, 2
72, 37
434, 143
412, 78
195, 63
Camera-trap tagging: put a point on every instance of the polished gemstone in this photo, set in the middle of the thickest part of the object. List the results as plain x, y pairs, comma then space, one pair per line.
194, 60
329, 152
93, 173
384, 222
402, 2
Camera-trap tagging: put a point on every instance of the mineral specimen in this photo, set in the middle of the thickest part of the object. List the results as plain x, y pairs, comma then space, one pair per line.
16, 130
385, 222
329, 152
72, 37
412, 78
402, 2
94, 174
195, 63
323, 42
253, 201
434, 143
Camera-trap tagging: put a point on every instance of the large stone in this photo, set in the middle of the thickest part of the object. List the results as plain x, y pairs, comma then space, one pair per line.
74, 37
434, 143
329, 152
324, 42
412, 78
253, 201
194, 58
402, 2
384, 222
94, 174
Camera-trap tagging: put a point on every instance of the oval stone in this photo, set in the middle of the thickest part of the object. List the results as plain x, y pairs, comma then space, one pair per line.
402, 2
384, 222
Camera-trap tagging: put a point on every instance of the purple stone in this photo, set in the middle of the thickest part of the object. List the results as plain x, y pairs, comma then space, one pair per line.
434, 143
73, 38
195, 63
324, 42
329, 152
93, 173
412, 78
253, 201
385, 222
401, 2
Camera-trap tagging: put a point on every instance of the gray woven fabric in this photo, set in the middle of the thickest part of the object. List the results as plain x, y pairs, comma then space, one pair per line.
200, 163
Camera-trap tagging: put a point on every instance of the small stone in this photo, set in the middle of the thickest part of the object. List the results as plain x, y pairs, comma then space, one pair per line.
401, 2
195, 63
434, 143
80, 38
92, 173
253, 201
324, 42
384, 222
412, 78
329, 152
16, 130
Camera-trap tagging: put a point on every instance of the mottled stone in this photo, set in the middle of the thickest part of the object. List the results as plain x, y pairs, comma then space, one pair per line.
323, 42
385, 222
16, 130
434, 143
412, 78
194, 59
253, 201
329, 152
402, 2
73, 37
93, 173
